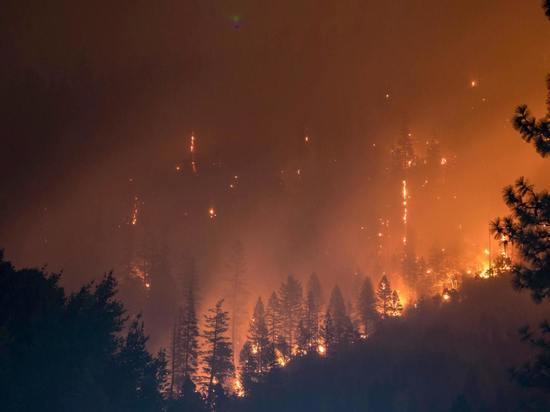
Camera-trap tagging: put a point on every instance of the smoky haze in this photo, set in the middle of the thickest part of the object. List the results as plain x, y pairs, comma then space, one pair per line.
101, 100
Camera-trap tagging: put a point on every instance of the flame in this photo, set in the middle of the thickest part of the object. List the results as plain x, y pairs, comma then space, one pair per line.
135, 211
404, 194
321, 349
238, 387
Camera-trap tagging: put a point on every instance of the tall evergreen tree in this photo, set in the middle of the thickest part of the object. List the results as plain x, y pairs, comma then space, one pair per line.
249, 369
236, 267
341, 328
185, 345
218, 355
258, 354
384, 295
140, 373
528, 229
273, 319
258, 336
290, 309
366, 306
311, 323
396, 308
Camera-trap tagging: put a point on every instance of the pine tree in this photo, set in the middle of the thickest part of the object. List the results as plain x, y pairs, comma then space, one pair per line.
237, 293
218, 355
249, 369
309, 330
536, 131
341, 328
366, 305
273, 319
327, 331
290, 310
258, 354
185, 334
528, 229
383, 295
139, 372
396, 308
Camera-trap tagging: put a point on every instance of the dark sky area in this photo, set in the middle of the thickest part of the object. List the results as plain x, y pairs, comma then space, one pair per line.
100, 99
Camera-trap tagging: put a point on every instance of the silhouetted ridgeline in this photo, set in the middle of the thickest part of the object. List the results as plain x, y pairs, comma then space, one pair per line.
79, 353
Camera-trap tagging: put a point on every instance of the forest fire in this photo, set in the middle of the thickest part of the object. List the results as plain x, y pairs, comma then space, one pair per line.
199, 217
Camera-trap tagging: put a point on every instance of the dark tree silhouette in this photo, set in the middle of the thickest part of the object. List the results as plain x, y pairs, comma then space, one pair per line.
236, 297
309, 326
218, 355
366, 305
290, 295
185, 334
339, 329
257, 354
536, 131
139, 373
66, 353
189, 399
528, 229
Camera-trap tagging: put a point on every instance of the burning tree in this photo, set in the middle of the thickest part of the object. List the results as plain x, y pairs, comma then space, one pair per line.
384, 295
218, 356
396, 308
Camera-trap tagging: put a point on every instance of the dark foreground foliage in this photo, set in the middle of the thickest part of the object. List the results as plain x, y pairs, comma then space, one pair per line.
69, 353
443, 357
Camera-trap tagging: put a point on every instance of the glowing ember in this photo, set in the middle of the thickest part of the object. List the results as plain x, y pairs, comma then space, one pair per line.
212, 213
443, 161
321, 349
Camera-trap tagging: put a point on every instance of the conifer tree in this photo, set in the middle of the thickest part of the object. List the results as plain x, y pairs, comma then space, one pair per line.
309, 331
236, 267
366, 305
185, 334
290, 309
396, 308
273, 318
528, 229
258, 354
249, 369
340, 327
384, 295
218, 355
139, 372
